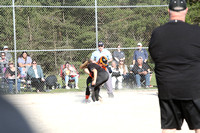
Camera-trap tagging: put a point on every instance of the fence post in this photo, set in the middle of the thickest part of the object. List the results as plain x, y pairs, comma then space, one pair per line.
14, 32
96, 22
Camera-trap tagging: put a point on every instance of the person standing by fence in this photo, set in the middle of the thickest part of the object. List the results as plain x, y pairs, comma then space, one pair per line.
118, 55
8, 55
140, 52
3, 62
175, 49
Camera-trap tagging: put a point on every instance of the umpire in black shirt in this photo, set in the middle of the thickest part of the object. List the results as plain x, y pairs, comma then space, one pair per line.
175, 49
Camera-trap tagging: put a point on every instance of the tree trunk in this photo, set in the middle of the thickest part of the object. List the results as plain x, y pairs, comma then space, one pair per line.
55, 53
67, 41
30, 34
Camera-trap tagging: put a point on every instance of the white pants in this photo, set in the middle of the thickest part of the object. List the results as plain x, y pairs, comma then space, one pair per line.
115, 79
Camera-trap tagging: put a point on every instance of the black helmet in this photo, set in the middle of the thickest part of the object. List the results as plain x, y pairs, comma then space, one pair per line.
103, 60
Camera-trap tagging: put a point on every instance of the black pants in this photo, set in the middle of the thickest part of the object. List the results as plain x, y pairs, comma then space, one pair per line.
102, 77
37, 83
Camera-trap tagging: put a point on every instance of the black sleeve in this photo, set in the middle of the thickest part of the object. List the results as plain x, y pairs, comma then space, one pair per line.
90, 67
18, 71
109, 69
135, 69
146, 66
114, 54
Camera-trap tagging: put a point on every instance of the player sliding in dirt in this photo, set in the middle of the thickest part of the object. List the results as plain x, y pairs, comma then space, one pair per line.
97, 76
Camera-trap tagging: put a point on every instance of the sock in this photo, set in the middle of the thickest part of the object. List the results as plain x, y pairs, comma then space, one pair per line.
87, 96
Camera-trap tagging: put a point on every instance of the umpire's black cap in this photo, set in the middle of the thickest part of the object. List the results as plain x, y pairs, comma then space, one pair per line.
100, 43
177, 5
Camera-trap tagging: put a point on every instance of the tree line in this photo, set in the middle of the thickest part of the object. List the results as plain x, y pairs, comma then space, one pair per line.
74, 28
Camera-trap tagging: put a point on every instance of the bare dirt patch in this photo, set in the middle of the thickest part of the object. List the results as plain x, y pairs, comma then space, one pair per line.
129, 111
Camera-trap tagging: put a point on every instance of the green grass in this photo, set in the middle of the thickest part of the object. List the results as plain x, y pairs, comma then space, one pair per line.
153, 80
82, 85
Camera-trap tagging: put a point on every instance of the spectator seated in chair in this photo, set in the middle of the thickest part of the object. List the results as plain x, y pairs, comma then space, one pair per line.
124, 71
116, 75
69, 74
24, 62
141, 71
10, 77
35, 73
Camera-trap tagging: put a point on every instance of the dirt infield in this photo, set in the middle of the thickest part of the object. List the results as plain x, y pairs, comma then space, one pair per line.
129, 112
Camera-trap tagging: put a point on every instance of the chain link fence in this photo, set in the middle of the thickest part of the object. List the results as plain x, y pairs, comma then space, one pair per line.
55, 31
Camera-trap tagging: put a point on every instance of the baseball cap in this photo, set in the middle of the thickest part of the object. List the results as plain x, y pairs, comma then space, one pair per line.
140, 57
11, 62
177, 5
5, 47
100, 43
139, 44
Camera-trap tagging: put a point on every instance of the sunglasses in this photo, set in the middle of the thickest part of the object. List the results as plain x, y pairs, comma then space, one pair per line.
100, 46
34, 63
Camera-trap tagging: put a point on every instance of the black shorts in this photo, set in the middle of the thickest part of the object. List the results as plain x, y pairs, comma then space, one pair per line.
173, 112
